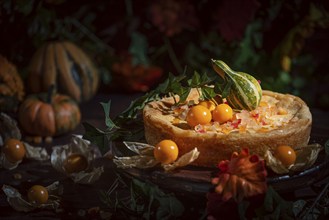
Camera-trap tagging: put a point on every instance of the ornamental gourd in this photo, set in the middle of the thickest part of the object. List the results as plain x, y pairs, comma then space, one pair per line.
245, 91
48, 115
63, 64
11, 86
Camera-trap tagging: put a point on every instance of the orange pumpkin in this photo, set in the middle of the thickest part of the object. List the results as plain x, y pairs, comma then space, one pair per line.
48, 115
65, 65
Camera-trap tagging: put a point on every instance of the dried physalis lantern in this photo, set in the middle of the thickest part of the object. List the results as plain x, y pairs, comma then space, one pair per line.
36, 197
285, 159
76, 161
164, 153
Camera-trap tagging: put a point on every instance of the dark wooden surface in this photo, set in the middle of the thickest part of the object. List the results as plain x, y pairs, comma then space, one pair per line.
78, 199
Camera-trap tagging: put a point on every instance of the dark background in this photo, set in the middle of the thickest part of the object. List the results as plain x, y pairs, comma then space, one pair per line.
251, 36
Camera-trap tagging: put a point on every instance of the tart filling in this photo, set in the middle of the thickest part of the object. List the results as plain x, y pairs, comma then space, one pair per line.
271, 114
279, 119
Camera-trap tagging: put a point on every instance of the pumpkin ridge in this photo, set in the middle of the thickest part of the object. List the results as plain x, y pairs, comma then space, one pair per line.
67, 66
77, 54
75, 69
65, 79
35, 71
48, 67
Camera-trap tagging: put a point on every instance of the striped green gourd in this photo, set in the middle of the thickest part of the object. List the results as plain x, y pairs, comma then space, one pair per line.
245, 92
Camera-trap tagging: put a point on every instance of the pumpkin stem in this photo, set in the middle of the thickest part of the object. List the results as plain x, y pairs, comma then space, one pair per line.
51, 93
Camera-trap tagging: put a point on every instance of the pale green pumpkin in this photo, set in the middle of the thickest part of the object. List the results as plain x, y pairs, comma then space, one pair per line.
245, 91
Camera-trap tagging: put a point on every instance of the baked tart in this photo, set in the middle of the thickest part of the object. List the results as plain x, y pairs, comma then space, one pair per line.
265, 121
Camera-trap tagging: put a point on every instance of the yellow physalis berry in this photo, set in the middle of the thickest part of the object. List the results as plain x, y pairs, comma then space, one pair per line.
285, 154
166, 151
222, 113
75, 163
208, 104
14, 150
198, 114
37, 194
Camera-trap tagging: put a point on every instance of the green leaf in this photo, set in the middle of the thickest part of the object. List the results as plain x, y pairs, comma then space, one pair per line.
298, 206
136, 106
207, 93
195, 80
285, 77
242, 208
227, 88
108, 121
326, 147
174, 85
184, 94
138, 49
96, 136
275, 207
25, 6
166, 206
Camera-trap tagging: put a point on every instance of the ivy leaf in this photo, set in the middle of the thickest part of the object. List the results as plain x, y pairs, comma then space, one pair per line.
207, 92
223, 88
183, 94
137, 105
138, 49
165, 206
173, 85
206, 80
195, 80
106, 107
326, 147
95, 136
275, 207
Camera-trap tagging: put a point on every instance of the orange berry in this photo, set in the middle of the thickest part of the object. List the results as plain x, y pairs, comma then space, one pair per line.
37, 194
75, 163
198, 114
14, 150
285, 154
208, 104
166, 151
222, 113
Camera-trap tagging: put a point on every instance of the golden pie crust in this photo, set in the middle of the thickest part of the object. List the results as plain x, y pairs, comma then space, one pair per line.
215, 146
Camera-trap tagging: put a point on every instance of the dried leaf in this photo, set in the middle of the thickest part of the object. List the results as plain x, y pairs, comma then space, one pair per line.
139, 161
82, 147
183, 160
140, 148
243, 176
145, 158
305, 158
8, 128
36, 153
4, 163
18, 203
89, 177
